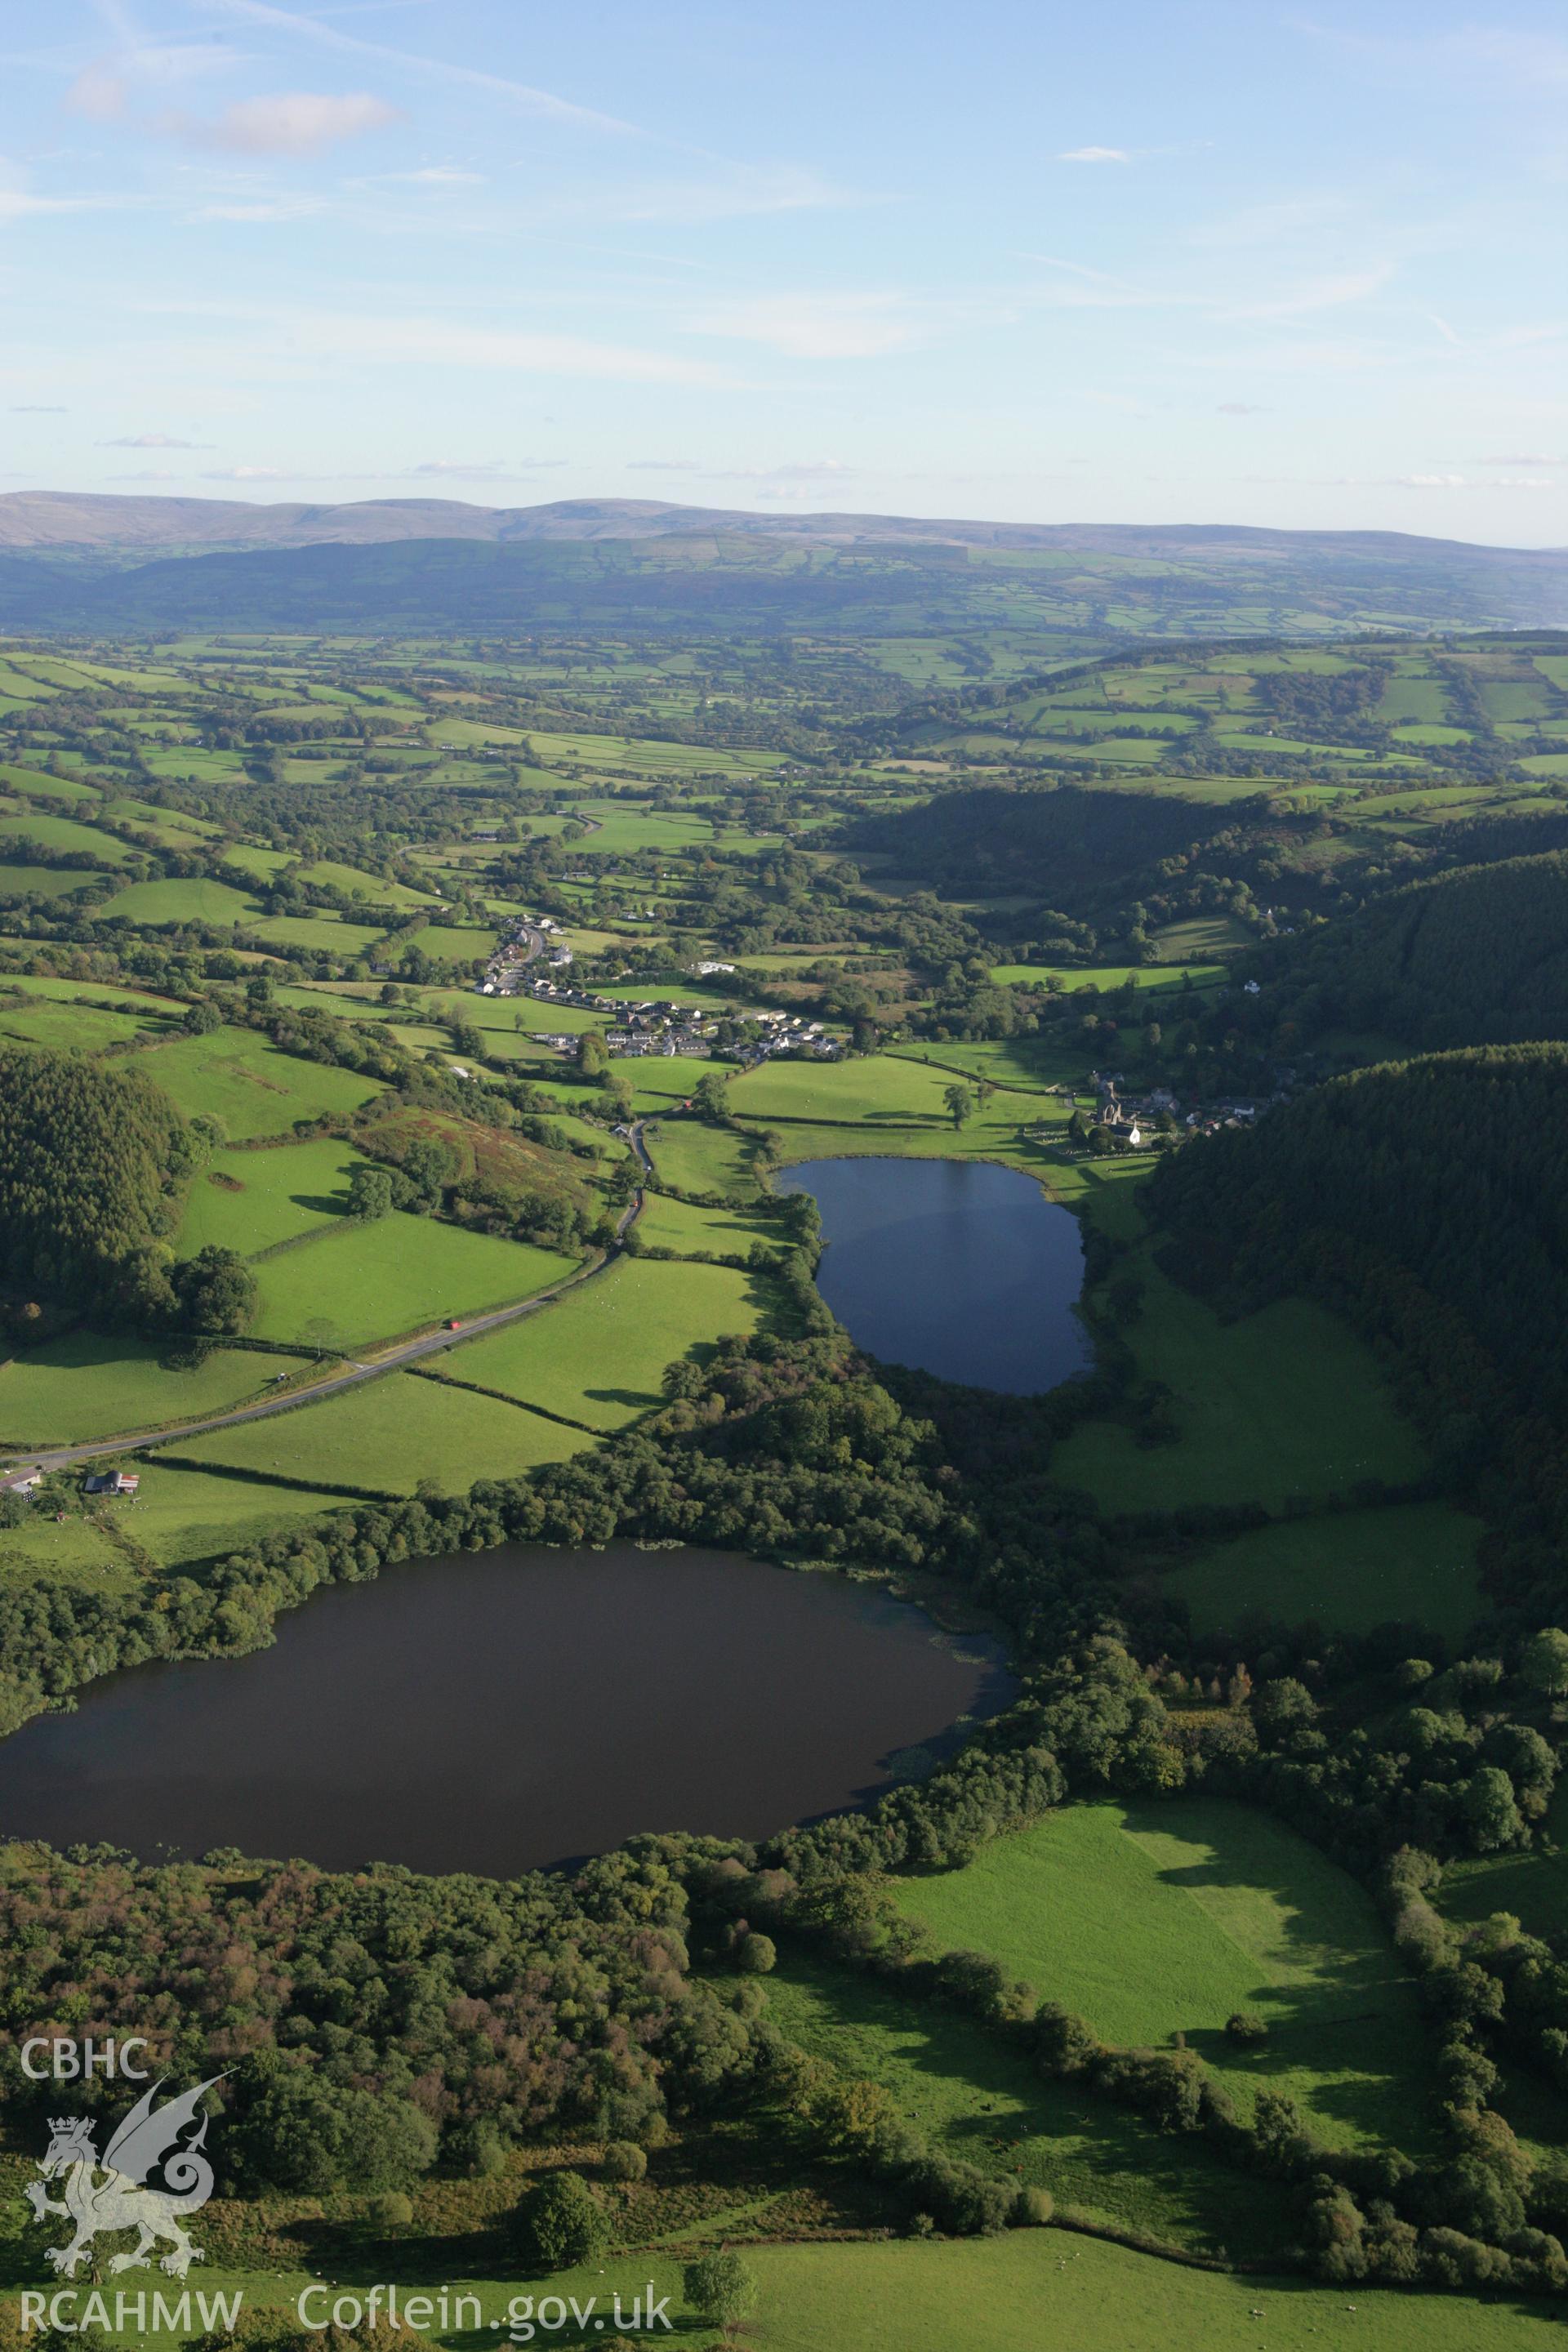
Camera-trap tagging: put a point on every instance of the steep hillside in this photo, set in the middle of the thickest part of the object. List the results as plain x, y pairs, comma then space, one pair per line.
1428, 1201
1065, 842
1474, 958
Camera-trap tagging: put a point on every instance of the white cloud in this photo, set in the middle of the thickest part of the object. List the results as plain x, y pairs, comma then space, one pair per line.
152, 441
438, 343
1520, 461
1094, 155
294, 122
258, 474
16, 204
439, 176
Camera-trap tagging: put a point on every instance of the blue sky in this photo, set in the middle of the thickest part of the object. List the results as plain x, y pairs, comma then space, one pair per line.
1170, 260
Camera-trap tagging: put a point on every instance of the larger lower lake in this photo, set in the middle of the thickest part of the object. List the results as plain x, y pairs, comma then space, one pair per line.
501, 1710
956, 1266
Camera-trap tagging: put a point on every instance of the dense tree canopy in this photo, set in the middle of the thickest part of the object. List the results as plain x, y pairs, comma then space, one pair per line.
88, 1154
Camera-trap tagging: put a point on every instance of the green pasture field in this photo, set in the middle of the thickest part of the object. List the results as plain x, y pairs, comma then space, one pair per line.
1346, 1571
351, 1282
46, 882
1051, 2289
1408, 700
1168, 1915
388, 1434
598, 1355
348, 1000
454, 942
33, 785
676, 1225
248, 1201
63, 833
984, 2103
70, 1552
663, 1082
251, 858
240, 1076
184, 1516
146, 812
73, 991
77, 1028
327, 933
646, 757
1532, 1887
1104, 977
1283, 1402
1024, 1066
881, 1089
891, 1104
85, 1386
701, 1158
196, 901
331, 876
1204, 936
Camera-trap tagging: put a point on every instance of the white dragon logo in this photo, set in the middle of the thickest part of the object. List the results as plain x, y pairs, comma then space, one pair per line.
145, 2143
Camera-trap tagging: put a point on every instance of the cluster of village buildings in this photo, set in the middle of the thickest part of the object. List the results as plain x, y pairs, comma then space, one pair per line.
1135, 1116
638, 1027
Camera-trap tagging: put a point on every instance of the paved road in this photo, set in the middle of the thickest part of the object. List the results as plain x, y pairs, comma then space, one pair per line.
391, 1359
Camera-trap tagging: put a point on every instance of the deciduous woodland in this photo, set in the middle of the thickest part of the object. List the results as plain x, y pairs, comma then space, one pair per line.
401, 1039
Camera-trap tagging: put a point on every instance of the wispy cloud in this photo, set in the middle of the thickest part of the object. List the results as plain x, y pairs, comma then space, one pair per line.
266, 211
1094, 155
524, 95
443, 342
1326, 293
295, 122
817, 326
152, 441
481, 469
37, 408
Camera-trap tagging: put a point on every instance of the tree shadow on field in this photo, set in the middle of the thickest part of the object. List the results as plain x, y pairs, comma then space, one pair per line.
1349, 2021
1011, 2122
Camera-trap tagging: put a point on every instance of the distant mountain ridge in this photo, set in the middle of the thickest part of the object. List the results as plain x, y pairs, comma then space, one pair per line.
82, 563
34, 519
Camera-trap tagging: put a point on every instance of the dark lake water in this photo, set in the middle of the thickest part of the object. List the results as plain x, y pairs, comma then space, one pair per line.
956, 1266
496, 1711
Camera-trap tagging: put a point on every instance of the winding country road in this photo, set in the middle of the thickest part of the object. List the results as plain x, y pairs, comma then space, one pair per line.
391, 1359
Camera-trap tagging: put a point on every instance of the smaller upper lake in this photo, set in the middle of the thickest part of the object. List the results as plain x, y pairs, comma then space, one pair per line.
957, 1266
